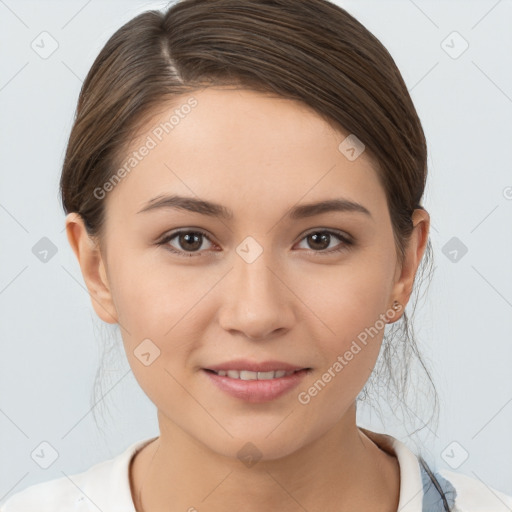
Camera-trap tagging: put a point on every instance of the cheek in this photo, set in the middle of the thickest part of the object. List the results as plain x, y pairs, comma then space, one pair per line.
351, 310
155, 310
161, 309
350, 349
348, 298
151, 295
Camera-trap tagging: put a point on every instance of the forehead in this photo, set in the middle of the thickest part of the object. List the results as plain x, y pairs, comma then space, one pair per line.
238, 147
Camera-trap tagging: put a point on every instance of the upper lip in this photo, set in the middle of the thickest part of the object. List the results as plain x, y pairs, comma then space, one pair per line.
253, 366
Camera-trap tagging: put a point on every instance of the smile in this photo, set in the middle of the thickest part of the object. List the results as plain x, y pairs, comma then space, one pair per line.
249, 375
256, 387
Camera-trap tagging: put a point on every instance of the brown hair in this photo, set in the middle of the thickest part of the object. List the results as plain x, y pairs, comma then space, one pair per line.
309, 50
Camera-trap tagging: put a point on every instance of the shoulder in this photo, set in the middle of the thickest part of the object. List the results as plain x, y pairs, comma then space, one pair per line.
104, 486
55, 495
468, 494
438, 490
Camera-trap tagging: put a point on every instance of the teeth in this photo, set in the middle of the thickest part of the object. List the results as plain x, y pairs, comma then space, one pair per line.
248, 375
267, 375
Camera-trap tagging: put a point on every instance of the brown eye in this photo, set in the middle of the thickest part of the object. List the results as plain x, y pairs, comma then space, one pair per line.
319, 241
187, 242
190, 241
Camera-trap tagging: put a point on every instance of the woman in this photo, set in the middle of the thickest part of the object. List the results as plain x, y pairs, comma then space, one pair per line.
277, 139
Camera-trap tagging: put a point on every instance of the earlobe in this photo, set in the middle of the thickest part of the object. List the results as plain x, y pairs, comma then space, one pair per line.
93, 268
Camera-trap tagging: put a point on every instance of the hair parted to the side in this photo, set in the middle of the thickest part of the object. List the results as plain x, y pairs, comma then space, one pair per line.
312, 51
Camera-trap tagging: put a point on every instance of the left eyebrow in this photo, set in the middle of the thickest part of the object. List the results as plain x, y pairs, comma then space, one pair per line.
330, 205
211, 209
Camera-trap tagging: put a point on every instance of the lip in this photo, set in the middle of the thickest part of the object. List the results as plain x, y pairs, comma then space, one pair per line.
246, 364
256, 391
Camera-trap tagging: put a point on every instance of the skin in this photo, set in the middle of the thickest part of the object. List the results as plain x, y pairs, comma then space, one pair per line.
258, 155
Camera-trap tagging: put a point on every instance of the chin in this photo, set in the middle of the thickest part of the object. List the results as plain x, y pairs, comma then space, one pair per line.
250, 445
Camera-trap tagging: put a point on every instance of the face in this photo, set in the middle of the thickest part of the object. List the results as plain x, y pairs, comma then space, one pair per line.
270, 281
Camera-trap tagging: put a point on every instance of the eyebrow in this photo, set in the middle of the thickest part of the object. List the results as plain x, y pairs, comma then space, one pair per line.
211, 209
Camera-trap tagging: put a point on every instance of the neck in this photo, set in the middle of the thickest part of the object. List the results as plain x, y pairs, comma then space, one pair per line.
341, 470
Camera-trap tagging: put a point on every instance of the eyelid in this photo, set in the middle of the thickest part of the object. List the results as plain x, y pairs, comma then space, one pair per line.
337, 232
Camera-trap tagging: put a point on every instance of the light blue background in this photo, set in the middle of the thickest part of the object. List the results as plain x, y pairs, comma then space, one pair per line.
51, 338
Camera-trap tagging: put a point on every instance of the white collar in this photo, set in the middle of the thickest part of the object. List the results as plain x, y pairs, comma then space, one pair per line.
411, 484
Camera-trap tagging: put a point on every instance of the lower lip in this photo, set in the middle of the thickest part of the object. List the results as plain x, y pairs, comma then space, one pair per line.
257, 391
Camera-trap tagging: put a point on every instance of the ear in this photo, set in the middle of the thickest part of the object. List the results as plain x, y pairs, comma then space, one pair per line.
406, 273
93, 268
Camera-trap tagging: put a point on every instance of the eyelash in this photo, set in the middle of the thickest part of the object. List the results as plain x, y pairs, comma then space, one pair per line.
347, 242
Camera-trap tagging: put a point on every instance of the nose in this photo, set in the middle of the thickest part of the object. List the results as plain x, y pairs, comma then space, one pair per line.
256, 299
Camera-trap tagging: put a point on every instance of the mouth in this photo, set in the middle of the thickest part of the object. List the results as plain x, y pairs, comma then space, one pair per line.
251, 375
256, 386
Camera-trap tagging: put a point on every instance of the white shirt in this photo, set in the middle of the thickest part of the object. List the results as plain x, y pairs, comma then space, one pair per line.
106, 487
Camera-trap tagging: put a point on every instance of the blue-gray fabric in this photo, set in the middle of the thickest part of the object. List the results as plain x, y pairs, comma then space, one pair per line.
432, 499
